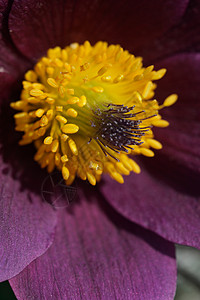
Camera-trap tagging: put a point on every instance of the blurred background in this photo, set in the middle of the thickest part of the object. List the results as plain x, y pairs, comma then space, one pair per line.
188, 286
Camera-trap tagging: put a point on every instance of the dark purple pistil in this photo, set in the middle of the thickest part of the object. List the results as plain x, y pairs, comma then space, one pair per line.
116, 128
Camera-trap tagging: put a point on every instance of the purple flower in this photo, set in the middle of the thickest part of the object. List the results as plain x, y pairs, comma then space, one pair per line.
115, 241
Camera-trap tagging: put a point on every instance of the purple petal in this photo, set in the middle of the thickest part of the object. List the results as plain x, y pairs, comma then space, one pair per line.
184, 37
181, 139
27, 224
97, 254
12, 63
165, 196
149, 199
57, 23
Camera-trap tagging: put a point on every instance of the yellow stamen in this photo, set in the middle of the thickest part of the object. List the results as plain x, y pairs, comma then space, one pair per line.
154, 144
36, 92
44, 121
73, 100
59, 108
73, 104
97, 89
70, 91
61, 119
64, 158
160, 123
48, 140
72, 112
146, 152
170, 100
64, 137
39, 112
31, 76
82, 101
73, 147
70, 128
91, 178
57, 159
54, 146
118, 78
65, 172
52, 82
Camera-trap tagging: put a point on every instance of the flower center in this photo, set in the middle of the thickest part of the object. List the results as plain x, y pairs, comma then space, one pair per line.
87, 108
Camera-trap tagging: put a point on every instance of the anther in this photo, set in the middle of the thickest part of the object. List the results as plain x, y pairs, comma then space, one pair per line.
52, 82
59, 108
82, 101
61, 119
70, 128
48, 140
73, 100
72, 112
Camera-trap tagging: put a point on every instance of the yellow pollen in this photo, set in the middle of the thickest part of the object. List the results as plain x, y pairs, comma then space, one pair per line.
82, 101
118, 78
84, 67
31, 76
54, 146
160, 123
33, 100
106, 78
64, 158
52, 82
36, 92
72, 112
57, 159
59, 108
61, 119
73, 147
39, 112
64, 137
49, 114
91, 178
65, 172
146, 152
70, 128
73, 100
97, 89
48, 140
70, 91
86, 108
102, 71
170, 100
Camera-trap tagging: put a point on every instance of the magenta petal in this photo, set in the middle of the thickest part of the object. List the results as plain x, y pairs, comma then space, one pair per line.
57, 23
97, 254
26, 225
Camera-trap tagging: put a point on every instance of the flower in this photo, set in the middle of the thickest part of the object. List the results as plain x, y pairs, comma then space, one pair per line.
94, 249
